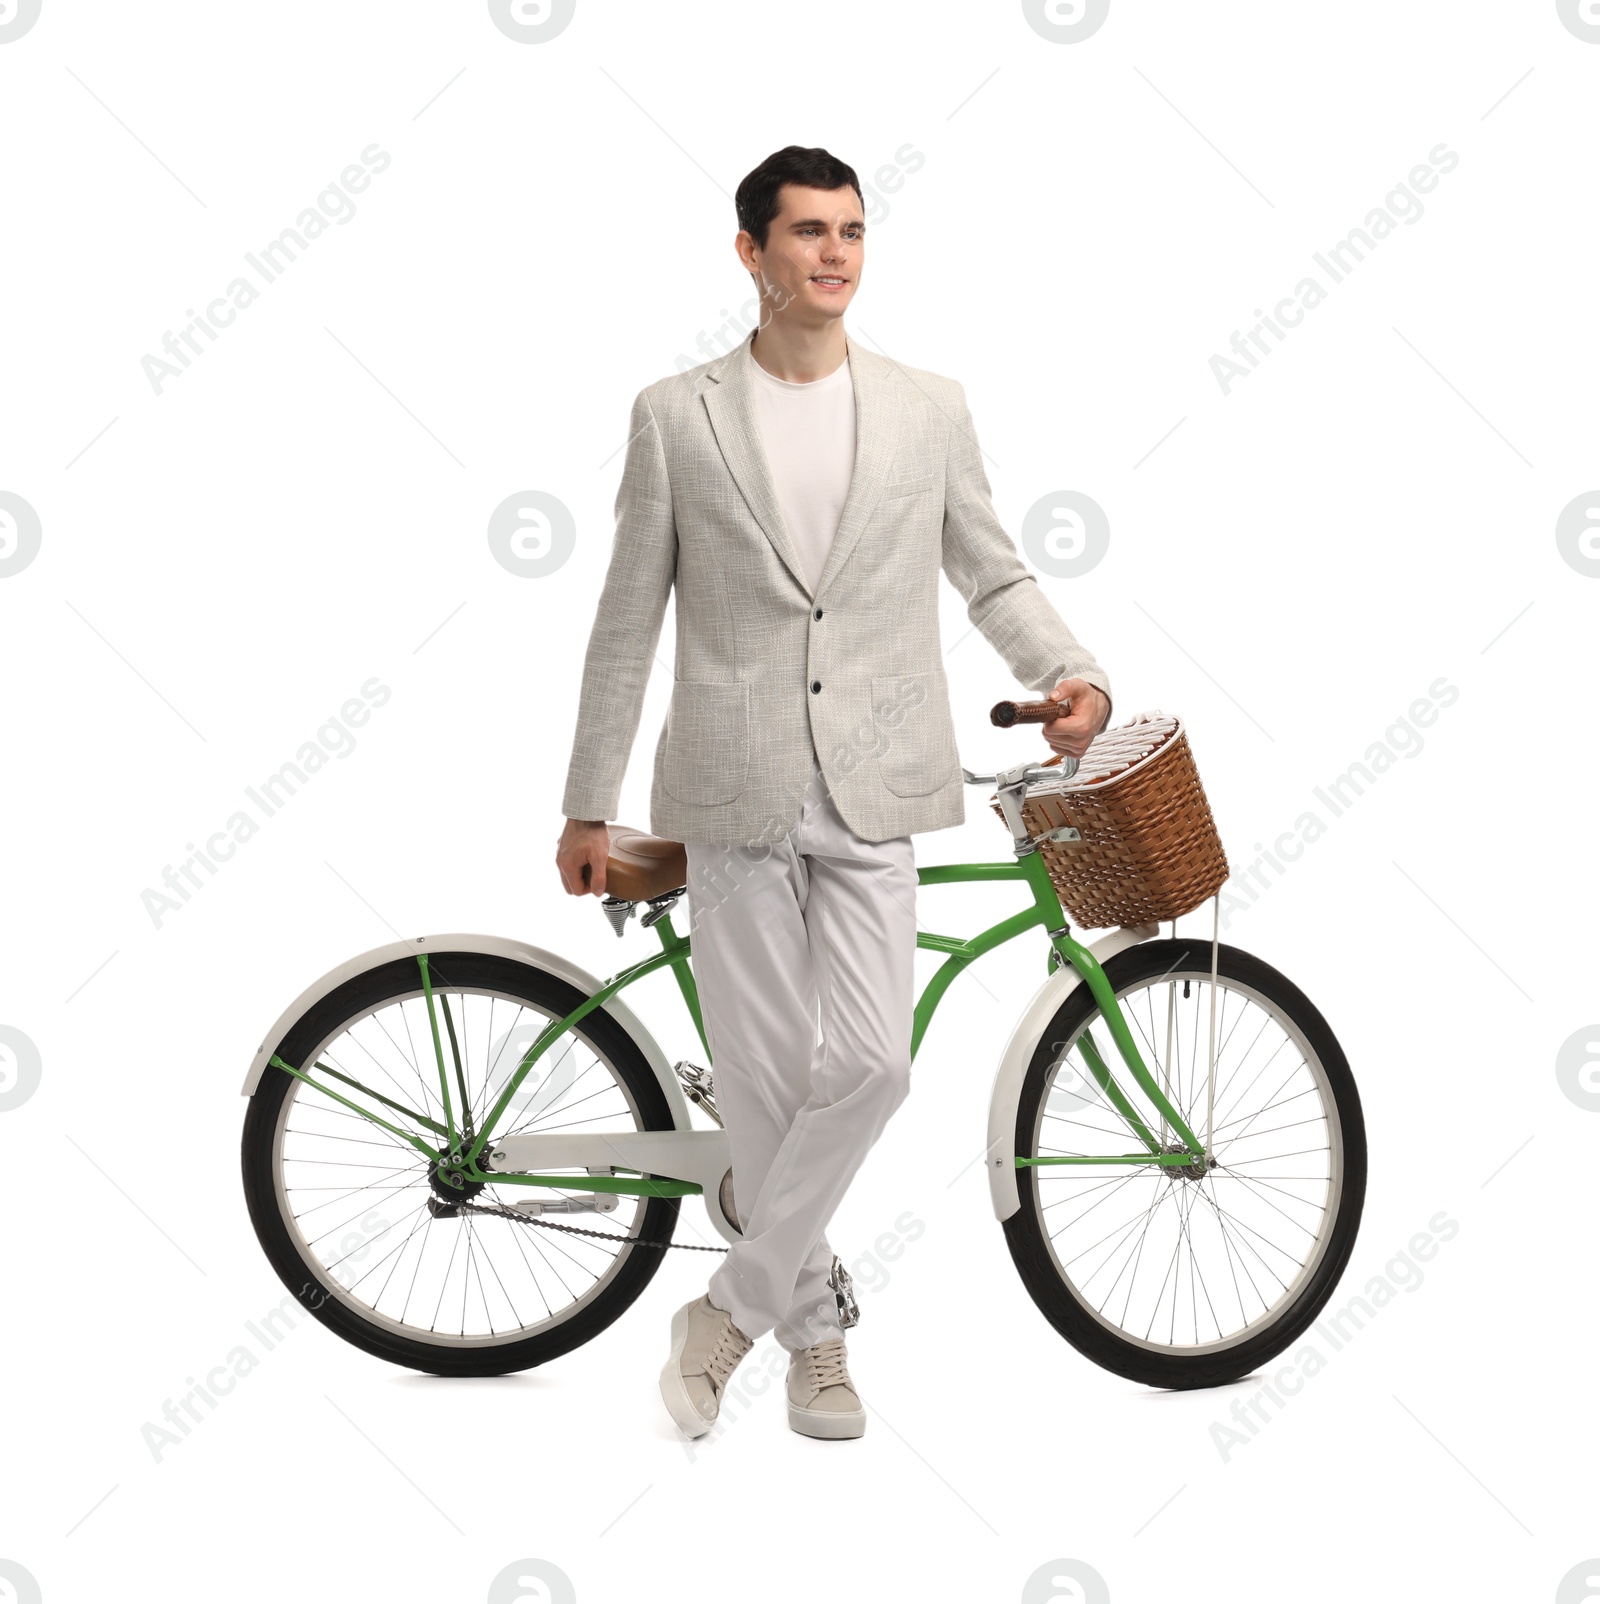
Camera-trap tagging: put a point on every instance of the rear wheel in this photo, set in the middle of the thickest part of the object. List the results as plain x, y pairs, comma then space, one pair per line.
357, 1223
1189, 1276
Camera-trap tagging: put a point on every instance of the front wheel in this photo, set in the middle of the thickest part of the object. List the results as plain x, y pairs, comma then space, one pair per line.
1193, 1275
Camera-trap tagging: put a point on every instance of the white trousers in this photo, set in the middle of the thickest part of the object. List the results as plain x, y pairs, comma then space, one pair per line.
818, 921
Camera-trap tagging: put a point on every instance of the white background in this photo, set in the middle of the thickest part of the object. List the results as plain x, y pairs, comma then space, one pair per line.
225, 563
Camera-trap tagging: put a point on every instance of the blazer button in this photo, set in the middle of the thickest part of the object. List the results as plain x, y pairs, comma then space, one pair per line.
816, 685
818, 613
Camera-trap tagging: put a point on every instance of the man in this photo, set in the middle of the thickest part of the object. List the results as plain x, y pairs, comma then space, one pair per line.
803, 495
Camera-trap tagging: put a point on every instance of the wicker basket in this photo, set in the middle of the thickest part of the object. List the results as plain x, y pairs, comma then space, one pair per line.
1150, 848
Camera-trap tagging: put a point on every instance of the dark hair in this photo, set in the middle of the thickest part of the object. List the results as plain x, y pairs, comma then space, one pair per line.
756, 199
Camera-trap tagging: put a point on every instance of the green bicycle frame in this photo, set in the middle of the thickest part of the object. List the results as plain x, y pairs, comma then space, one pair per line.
457, 1145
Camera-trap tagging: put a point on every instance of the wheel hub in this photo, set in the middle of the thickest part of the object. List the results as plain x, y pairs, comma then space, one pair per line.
1197, 1171
449, 1181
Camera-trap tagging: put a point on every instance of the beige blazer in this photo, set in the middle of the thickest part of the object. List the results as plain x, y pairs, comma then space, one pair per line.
766, 672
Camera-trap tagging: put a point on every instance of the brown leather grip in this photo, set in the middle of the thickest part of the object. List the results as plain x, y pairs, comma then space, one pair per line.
1005, 714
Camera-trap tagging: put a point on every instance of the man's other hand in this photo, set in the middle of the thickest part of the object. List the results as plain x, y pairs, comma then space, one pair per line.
581, 856
1088, 710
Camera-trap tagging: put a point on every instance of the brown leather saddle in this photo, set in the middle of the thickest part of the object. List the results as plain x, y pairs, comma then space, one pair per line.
641, 866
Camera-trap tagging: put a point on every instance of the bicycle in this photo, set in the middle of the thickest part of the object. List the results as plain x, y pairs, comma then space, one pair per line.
1170, 1258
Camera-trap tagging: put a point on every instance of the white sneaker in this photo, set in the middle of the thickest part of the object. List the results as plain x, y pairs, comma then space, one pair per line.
706, 1347
822, 1398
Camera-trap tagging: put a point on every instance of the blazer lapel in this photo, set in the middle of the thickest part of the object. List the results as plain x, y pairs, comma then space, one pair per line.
732, 411
870, 378
733, 419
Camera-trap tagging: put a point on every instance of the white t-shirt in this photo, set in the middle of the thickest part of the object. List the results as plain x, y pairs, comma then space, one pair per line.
808, 433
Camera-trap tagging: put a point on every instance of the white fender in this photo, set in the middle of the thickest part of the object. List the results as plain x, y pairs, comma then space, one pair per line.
1000, 1154
499, 947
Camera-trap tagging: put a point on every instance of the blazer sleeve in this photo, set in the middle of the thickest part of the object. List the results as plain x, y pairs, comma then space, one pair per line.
1003, 598
627, 625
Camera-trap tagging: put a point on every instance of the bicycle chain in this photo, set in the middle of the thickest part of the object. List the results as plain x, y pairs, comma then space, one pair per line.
574, 1230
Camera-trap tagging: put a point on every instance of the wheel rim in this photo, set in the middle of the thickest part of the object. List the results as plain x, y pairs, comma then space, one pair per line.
355, 1198
1174, 1264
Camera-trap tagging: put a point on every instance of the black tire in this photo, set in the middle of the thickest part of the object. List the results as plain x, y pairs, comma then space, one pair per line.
322, 1296
1025, 1230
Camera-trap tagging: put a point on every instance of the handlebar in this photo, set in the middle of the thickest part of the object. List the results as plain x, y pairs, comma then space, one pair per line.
1005, 714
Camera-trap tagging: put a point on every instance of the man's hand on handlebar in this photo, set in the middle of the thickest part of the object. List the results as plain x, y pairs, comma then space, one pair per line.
1088, 710
581, 856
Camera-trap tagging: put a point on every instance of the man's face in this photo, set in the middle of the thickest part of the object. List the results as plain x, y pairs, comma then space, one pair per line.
812, 261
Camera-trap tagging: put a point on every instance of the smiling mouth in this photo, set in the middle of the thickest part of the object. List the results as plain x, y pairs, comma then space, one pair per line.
828, 281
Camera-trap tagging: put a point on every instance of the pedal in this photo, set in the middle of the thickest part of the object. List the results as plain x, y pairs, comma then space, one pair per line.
843, 1294
589, 1203
697, 1086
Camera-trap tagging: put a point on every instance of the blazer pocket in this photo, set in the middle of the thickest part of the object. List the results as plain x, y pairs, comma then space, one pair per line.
916, 737
708, 741
908, 487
